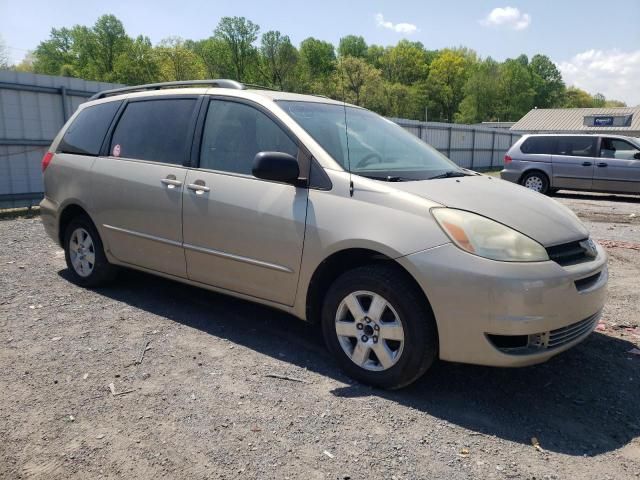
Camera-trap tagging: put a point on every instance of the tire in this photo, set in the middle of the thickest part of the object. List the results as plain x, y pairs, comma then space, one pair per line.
404, 305
84, 254
536, 181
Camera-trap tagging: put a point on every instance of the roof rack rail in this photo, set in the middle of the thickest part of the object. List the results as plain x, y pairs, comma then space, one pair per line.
221, 83
255, 86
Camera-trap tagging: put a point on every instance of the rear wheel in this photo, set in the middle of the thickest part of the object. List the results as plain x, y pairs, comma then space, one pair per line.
377, 325
536, 181
84, 254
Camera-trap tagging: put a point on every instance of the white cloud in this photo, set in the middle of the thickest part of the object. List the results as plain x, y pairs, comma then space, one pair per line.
614, 73
510, 17
406, 28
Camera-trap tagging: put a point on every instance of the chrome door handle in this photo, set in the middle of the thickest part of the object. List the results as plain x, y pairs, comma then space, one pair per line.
198, 188
171, 182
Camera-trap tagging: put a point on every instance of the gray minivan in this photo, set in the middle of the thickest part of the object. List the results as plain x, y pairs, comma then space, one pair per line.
548, 163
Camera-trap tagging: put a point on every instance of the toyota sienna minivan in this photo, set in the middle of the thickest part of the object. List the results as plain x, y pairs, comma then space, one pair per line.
326, 211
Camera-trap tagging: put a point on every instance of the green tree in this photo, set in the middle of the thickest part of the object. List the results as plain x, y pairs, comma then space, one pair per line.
599, 100
352, 46
357, 82
138, 64
481, 93
318, 57
239, 34
26, 64
614, 104
547, 82
516, 90
445, 85
104, 43
279, 58
215, 55
53, 55
405, 63
177, 62
575, 97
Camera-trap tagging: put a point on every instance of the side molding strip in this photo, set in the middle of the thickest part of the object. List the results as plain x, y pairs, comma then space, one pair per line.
209, 251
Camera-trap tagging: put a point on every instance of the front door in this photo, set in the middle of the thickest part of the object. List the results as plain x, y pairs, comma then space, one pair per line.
573, 162
241, 233
137, 189
618, 168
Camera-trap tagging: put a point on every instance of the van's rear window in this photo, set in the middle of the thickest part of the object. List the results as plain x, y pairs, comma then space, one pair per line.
543, 145
85, 135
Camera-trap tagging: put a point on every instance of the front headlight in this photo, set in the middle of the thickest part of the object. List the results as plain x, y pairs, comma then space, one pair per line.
486, 238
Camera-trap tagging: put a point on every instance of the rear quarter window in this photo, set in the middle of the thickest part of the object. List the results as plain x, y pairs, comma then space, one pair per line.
85, 135
540, 145
154, 130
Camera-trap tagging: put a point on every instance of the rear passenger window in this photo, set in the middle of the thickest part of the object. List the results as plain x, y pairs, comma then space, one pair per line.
542, 145
154, 130
85, 135
234, 133
577, 146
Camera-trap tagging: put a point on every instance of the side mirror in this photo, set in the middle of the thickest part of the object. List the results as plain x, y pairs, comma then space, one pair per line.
636, 155
276, 166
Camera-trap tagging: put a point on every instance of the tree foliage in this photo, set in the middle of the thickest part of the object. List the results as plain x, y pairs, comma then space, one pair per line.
239, 34
401, 80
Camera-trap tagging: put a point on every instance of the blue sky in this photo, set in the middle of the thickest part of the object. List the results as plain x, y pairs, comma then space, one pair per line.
596, 43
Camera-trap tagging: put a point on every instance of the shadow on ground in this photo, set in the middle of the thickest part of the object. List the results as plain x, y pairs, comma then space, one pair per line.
598, 196
583, 402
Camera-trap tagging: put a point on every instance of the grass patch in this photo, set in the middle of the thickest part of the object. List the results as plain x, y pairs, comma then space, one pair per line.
23, 212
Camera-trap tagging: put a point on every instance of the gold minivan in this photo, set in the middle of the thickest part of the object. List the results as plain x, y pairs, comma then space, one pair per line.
329, 212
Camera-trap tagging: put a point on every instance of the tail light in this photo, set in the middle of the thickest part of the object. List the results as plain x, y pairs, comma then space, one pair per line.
507, 159
46, 160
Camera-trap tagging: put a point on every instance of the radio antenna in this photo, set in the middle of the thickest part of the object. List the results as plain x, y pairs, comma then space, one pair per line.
346, 130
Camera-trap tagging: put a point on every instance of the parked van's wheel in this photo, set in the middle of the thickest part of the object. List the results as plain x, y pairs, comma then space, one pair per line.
84, 254
536, 181
377, 325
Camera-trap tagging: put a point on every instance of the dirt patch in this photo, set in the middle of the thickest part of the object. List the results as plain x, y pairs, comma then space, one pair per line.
209, 390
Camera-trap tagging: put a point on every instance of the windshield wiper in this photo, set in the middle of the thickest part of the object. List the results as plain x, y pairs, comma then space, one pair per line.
450, 174
388, 178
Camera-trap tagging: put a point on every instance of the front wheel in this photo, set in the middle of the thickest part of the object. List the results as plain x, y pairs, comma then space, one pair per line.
378, 326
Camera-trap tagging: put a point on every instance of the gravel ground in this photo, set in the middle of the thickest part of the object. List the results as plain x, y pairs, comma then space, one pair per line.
201, 404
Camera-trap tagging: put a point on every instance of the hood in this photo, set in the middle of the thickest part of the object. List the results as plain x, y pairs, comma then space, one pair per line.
537, 216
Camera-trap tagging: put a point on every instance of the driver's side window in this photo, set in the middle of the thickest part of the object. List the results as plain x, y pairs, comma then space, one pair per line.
235, 132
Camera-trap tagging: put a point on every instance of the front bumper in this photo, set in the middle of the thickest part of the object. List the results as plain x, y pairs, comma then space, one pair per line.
477, 301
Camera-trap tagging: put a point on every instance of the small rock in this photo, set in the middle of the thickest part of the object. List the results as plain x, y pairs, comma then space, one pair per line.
100, 436
55, 339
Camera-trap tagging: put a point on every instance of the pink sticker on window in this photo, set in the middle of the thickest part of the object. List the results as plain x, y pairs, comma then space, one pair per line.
116, 150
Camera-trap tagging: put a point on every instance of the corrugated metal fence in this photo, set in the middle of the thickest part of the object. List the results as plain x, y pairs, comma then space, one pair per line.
33, 108
470, 146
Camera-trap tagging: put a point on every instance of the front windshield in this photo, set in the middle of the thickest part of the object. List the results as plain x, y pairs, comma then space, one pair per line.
377, 147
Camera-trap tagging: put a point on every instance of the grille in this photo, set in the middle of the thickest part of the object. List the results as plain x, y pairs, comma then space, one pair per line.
567, 334
568, 253
534, 343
